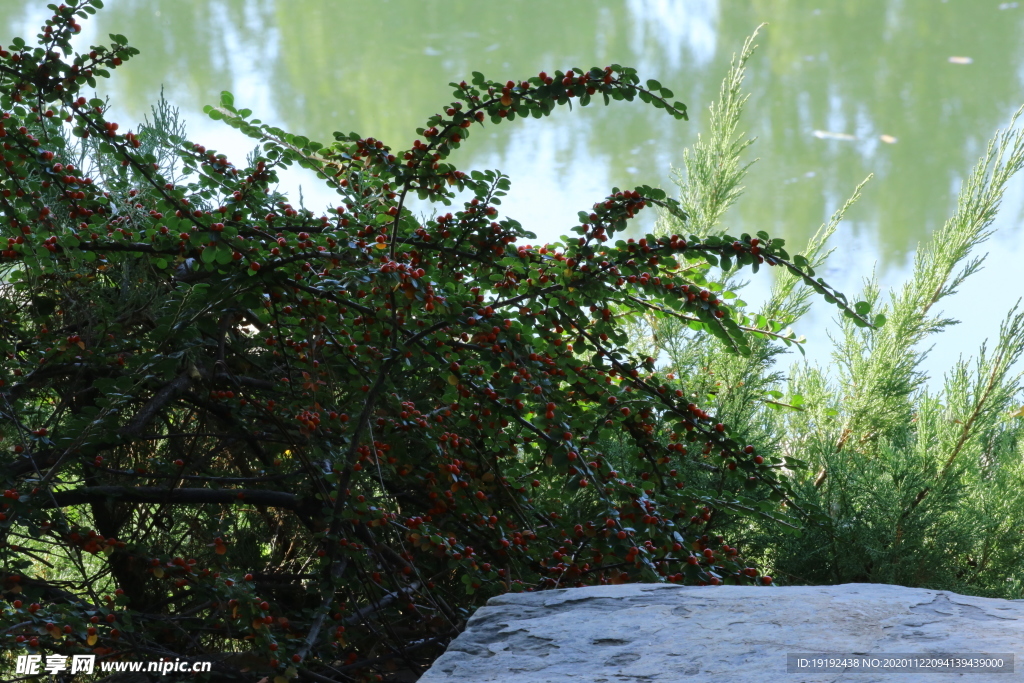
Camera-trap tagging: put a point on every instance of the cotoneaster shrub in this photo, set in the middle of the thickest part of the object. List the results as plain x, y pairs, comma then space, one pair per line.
308, 444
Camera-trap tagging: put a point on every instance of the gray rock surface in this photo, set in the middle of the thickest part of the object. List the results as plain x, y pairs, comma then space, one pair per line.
658, 633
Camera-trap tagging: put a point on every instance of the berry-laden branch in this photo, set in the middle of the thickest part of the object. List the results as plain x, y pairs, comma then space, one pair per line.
320, 438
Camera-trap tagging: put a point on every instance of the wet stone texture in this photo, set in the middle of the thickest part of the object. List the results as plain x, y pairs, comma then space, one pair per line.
662, 633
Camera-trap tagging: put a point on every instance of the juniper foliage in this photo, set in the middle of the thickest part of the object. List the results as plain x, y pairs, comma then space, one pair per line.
897, 483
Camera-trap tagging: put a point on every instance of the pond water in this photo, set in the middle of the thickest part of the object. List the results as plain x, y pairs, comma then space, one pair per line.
909, 90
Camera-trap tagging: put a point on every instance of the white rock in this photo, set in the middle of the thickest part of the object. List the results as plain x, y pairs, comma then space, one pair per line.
657, 633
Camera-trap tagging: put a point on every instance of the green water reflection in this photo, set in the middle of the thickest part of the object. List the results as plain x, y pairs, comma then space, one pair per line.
863, 69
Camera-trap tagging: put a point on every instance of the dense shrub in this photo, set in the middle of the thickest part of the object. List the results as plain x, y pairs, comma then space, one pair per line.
304, 443
900, 483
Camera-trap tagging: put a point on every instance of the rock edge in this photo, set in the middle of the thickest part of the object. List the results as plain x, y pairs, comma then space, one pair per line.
658, 633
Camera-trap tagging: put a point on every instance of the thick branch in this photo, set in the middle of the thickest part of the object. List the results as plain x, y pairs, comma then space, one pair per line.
157, 403
155, 494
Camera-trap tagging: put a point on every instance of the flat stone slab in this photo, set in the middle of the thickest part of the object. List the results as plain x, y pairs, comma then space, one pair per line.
657, 633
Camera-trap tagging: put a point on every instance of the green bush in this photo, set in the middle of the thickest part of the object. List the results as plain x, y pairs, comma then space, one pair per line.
895, 483
309, 444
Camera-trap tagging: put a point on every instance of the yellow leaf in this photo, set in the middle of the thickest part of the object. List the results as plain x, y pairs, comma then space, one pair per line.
381, 245
1018, 413
453, 380
280, 679
257, 624
158, 572
91, 640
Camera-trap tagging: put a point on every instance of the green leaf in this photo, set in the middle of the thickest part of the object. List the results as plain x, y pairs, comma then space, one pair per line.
653, 85
227, 99
862, 307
